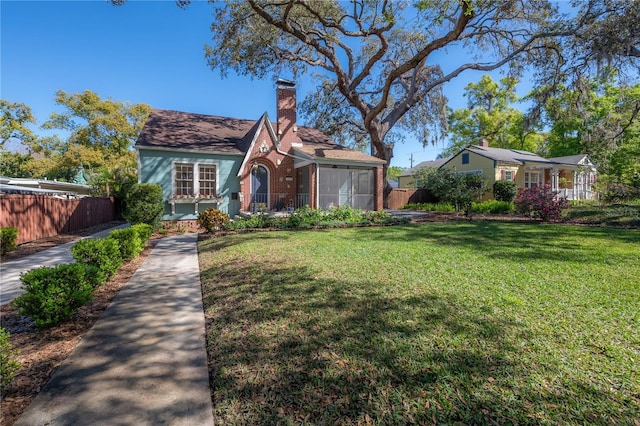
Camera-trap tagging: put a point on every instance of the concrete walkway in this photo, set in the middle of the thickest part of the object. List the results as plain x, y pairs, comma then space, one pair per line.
10, 271
144, 362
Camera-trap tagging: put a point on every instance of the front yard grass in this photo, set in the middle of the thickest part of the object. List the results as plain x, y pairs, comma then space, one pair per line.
458, 323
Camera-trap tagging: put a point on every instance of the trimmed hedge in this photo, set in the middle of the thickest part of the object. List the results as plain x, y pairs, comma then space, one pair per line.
143, 230
53, 294
8, 238
131, 245
103, 253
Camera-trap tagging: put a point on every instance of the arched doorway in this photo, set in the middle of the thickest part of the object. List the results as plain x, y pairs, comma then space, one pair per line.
259, 188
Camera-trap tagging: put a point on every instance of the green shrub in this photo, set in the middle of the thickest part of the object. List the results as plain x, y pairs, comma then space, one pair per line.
306, 216
8, 238
377, 216
258, 221
442, 207
144, 204
494, 207
143, 230
8, 363
212, 219
129, 242
505, 190
53, 294
103, 253
344, 214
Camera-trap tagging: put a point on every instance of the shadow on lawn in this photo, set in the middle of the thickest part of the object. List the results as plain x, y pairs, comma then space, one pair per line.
286, 346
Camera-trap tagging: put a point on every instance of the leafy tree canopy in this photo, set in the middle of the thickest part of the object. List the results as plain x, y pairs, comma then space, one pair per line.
490, 116
380, 65
599, 117
394, 171
105, 125
101, 137
14, 122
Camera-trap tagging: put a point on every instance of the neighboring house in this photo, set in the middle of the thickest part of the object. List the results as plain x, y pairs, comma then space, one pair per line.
573, 176
407, 178
249, 165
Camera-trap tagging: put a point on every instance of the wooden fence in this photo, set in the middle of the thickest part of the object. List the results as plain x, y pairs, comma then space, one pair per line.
40, 216
400, 197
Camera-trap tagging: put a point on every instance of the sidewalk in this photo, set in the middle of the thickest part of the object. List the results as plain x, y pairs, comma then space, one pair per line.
144, 362
10, 271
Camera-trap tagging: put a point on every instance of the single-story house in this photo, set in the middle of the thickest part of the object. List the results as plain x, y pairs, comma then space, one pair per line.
407, 178
243, 165
573, 176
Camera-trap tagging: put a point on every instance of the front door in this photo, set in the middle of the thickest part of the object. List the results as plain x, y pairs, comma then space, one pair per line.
259, 188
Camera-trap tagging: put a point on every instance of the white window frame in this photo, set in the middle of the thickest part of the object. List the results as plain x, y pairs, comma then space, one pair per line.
508, 175
528, 181
196, 175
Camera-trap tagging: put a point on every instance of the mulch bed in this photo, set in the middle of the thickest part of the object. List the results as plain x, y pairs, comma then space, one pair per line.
41, 352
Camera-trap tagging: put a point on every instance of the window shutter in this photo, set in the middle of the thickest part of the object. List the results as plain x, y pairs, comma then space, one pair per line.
502, 174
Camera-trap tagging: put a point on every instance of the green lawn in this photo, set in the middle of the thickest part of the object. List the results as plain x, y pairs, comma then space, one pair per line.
463, 323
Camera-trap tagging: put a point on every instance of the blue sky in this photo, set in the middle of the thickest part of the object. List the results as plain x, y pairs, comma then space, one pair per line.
144, 52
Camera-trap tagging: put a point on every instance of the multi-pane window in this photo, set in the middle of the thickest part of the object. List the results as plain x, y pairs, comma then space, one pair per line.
508, 175
195, 178
532, 180
207, 179
184, 179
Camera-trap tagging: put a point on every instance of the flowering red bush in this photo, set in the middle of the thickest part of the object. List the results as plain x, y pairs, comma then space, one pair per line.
541, 202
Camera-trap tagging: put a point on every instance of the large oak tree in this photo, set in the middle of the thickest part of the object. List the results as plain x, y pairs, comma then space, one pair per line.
381, 64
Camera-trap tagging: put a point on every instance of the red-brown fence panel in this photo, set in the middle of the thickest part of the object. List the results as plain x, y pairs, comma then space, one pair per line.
400, 197
40, 216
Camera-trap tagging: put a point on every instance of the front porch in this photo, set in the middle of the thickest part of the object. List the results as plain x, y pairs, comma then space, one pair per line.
571, 183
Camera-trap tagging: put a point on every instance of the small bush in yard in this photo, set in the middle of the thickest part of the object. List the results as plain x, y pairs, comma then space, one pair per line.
144, 204
130, 243
344, 213
103, 253
306, 216
143, 230
8, 238
541, 202
494, 207
53, 294
8, 364
212, 219
505, 190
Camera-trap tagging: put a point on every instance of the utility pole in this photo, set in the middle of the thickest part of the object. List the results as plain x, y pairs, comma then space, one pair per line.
412, 160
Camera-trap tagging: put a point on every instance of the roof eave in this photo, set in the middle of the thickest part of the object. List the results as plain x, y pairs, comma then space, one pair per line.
194, 151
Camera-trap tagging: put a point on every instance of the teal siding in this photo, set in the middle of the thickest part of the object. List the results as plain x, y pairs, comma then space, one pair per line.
156, 167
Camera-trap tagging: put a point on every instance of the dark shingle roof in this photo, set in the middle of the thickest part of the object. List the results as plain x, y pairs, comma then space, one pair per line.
188, 131
507, 155
569, 159
182, 130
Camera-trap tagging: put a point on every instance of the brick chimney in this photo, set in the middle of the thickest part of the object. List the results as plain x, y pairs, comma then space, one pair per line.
286, 126
484, 143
